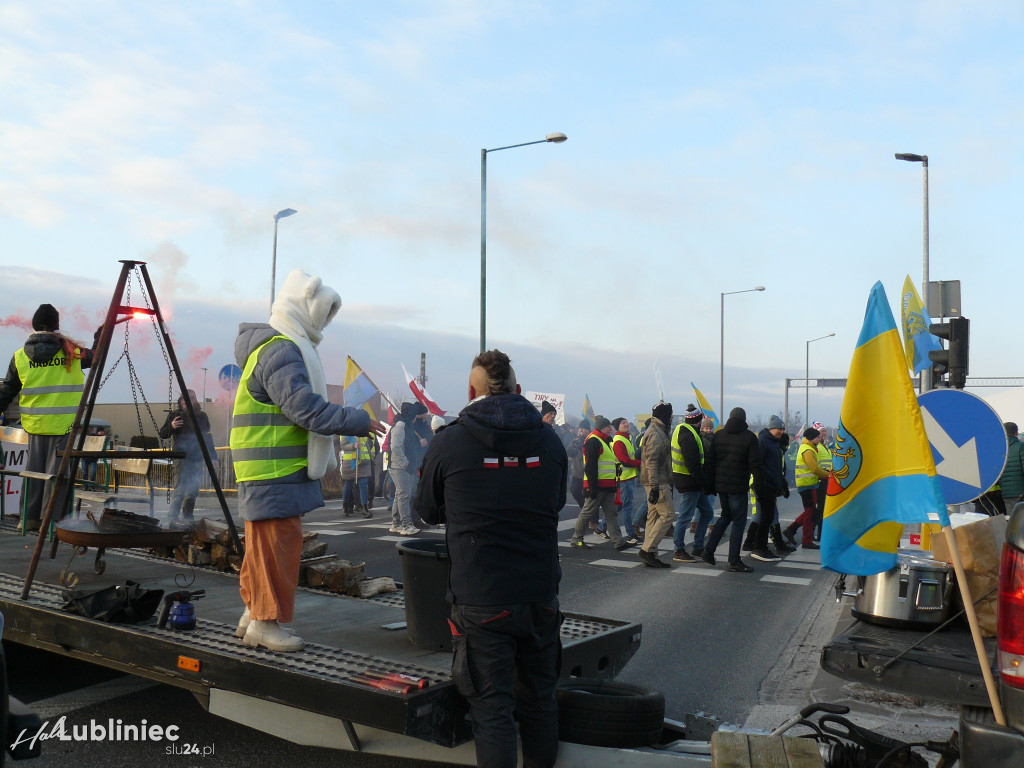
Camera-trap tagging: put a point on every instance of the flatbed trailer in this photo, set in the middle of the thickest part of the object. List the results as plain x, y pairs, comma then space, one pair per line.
308, 697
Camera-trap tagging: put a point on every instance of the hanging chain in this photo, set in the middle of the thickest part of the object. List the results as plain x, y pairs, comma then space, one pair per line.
167, 361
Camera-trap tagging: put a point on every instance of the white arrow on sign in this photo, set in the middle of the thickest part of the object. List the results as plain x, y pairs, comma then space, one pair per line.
959, 462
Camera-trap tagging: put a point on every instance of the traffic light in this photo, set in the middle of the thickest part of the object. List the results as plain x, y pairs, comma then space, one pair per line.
953, 359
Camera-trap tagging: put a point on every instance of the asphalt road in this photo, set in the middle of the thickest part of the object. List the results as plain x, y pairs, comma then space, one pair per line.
710, 641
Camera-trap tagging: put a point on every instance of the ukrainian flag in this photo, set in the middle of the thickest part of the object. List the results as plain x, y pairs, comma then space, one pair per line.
705, 405
588, 410
358, 387
883, 473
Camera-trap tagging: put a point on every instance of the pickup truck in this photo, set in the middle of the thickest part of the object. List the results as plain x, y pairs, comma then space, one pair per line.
944, 666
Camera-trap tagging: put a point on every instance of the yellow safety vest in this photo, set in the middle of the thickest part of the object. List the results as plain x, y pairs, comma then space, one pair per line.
605, 462
824, 457
265, 443
50, 392
678, 464
628, 473
805, 477
359, 452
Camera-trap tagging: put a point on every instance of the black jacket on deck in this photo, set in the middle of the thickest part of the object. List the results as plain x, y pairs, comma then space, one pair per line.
736, 457
497, 477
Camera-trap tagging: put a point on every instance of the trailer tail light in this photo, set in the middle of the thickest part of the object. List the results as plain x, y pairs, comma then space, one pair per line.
1010, 633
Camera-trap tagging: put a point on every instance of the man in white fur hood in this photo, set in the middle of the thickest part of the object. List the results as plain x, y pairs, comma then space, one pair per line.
281, 446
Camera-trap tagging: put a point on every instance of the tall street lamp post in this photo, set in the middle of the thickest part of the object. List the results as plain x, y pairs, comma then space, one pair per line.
807, 376
926, 374
273, 261
554, 138
721, 356
204, 389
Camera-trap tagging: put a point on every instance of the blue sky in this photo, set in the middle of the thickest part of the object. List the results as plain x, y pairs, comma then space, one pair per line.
712, 148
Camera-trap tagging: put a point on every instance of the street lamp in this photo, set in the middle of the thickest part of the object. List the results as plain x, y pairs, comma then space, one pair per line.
721, 357
554, 138
204, 388
273, 262
926, 374
807, 375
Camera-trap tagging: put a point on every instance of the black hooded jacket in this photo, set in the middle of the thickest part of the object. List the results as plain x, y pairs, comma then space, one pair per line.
736, 457
774, 480
497, 477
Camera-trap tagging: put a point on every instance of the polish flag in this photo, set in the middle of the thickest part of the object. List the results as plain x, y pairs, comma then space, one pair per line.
386, 445
421, 394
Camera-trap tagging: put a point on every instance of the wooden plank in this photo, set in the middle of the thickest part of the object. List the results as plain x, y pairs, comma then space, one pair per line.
803, 753
767, 752
729, 750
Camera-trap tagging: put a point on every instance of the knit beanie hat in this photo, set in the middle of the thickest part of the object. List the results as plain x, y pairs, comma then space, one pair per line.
663, 413
775, 423
810, 433
584, 424
546, 407
600, 422
616, 422
738, 413
693, 414
46, 318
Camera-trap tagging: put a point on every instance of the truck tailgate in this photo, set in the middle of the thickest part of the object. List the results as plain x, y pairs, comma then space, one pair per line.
943, 667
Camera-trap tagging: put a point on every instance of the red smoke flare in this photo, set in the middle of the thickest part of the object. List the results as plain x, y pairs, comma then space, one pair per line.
16, 321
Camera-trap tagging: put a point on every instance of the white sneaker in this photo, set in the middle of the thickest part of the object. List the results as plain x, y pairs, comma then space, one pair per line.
393, 529
271, 635
409, 530
246, 620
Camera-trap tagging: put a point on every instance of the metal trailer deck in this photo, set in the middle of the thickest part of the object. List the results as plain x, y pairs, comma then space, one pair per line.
308, 696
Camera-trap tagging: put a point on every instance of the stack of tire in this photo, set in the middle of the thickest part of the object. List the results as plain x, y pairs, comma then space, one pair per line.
606, 713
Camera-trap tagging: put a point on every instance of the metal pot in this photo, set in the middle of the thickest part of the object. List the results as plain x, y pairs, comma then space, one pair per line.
916, 593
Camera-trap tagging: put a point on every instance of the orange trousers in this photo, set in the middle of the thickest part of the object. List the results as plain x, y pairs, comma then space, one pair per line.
270, 570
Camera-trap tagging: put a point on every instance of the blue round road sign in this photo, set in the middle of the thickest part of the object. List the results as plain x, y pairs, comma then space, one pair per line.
229, 376
968, 442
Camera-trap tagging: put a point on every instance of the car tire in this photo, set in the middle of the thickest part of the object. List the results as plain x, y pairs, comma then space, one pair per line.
606, 713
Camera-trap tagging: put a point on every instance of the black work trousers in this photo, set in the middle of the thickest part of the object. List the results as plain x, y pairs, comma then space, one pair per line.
506, 664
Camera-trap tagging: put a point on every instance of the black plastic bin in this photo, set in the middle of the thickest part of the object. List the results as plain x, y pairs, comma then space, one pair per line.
425, 566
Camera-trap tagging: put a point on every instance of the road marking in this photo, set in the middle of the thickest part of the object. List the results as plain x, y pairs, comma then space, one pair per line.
565, 525
385, 526
331, 522
334, 533
785, 580
616, 563
70, 701
805, 558
691, 571
805, 566
393, 538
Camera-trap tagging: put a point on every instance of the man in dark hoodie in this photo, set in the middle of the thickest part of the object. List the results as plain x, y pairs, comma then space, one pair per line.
47, 372
734, 458
773, 485
497, 476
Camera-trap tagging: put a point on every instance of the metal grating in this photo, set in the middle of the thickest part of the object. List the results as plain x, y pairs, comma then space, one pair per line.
319, 660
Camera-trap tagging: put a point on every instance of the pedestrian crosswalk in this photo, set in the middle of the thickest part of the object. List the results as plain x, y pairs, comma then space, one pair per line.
787, 571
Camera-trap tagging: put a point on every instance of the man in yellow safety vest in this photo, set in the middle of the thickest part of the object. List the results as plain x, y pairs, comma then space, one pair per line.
599, 485
808, 473
281, 446
47, 372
